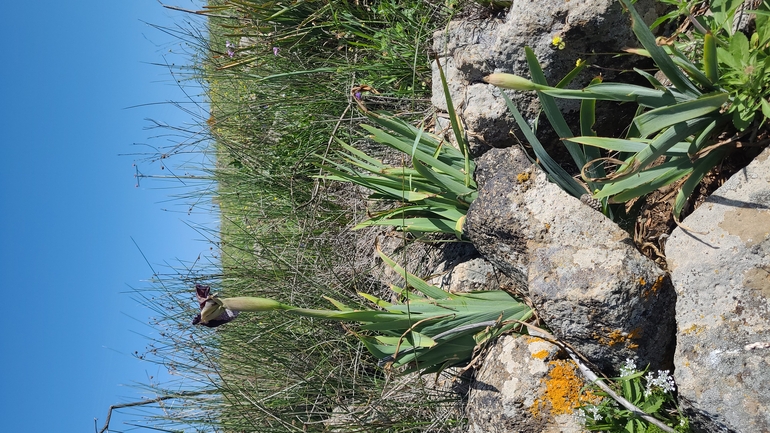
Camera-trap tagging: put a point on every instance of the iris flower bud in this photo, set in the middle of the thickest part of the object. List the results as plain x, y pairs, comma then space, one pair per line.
510, 81
216, 311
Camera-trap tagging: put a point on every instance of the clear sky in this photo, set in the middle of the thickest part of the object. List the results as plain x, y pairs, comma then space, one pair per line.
69, 206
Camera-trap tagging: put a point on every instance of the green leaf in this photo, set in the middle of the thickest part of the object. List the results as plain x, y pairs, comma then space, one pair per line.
652, 404
723, 12
366, 316
379, 351
415, 339
412, 280
449, 183
579, 66
762, 24
557, 173
739, 48
646, 181
552, 110
393, 189
428, 159
663, 142
621, 92
659, 118
679, 60
361, 155
405, 129
704, 136
659, 56
375, 300
666, 178
456, 127
623, 145
726, 58
413, 225
702, 167
765, 108
692, 71
337, 304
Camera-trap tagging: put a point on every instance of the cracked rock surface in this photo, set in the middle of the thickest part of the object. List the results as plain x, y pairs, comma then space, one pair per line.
721, 271
589, 283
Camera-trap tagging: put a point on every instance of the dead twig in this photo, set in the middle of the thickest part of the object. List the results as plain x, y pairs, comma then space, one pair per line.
181, 394
593, 378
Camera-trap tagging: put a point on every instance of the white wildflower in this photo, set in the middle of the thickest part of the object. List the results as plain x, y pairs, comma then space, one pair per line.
664, 382
629, 368
595, 413
580, 417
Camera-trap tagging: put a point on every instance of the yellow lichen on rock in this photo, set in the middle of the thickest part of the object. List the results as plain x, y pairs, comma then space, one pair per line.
562, 390
618, 336
654, 287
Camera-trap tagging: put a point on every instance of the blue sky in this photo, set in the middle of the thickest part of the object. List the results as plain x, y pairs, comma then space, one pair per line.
69, 207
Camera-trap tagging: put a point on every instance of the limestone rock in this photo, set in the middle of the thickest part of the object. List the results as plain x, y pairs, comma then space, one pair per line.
500, 161
472, 275
721, 271
525, 385
472, 50
586, 278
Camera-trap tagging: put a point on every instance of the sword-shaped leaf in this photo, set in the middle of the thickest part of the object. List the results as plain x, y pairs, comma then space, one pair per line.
412, 280
659, 118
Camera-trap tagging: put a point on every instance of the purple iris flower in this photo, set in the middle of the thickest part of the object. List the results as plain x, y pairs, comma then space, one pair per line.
275, 51
203, 293
357, 95
230, 48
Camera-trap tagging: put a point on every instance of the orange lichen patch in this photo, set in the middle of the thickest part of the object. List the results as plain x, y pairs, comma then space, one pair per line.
617, 336
654, 287
522, 177
658, 284
642, 281
541, 354
530, 339
562, 390
635, 334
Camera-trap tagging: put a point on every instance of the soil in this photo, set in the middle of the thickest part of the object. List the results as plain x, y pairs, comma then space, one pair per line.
655, 220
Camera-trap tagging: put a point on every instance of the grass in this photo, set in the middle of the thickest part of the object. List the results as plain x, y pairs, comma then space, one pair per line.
281, 83
283, 234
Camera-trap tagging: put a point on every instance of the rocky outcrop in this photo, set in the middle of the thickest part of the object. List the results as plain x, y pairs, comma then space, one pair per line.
472, 275
469, 50
525, 385
589, 283
720, 267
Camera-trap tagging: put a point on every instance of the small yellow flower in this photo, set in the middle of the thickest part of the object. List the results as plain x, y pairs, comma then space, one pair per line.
558, 43
579, 63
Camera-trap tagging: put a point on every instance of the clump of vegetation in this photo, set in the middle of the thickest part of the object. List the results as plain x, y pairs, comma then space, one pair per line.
283, 81
718, 95
425, 328
652, 394
434, 193
278, 82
